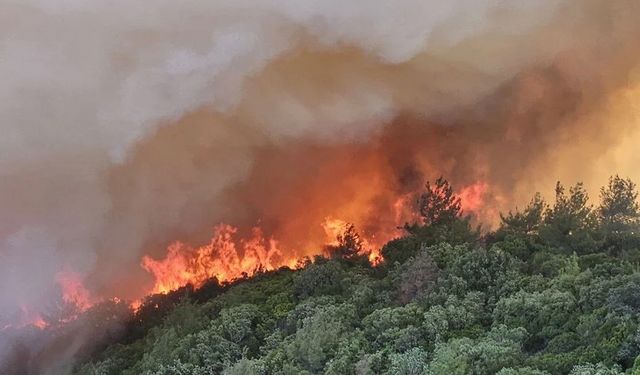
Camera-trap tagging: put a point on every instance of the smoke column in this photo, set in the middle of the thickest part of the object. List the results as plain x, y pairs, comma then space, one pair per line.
125, 126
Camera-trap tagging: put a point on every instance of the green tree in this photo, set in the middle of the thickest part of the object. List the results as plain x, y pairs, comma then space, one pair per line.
320, 336
526, 222
619, 215
246, 367
569, 225
543, 314
411, 362
597, 369
499, 348
455, 317
521, 371
417, 277
438, 204
395, 328
619, 210
320, 278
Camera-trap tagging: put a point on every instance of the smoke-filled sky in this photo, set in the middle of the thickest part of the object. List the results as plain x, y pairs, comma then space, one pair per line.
127, 125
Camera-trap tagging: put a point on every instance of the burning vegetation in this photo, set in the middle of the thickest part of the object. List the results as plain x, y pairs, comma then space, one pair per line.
228, 257
545, 260
150, 155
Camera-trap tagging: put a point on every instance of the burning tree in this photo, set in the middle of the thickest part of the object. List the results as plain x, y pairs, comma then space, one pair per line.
348, 245
441, 219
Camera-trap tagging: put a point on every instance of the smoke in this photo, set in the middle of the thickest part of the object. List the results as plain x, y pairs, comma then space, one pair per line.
129, 125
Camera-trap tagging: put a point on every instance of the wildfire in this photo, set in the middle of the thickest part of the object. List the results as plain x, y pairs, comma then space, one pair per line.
73, 291
403, 209
40, 323
472, 196
30, 318
228, 256
335, 227
224, 258
74, 295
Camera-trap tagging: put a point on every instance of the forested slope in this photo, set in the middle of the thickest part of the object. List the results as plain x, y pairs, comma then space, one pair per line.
554, 290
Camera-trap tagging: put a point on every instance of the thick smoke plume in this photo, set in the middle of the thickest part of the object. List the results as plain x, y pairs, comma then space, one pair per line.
125, 126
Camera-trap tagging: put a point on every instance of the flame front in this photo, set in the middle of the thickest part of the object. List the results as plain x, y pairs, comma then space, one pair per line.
224, 258
228, 256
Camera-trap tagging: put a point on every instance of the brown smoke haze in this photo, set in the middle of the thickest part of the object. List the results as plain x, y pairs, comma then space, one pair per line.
125, 126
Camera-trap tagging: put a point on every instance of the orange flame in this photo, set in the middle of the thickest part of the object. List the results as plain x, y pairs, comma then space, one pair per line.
73, 291
40, 323
224, 258
335, 227
76, 297
228, 257
28, 318
472, 196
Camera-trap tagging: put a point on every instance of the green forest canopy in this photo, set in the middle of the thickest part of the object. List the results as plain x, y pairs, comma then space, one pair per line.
554, 290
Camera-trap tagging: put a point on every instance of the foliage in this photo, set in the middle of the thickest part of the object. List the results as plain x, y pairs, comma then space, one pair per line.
438, 204
554, 290
570, 224
349, 243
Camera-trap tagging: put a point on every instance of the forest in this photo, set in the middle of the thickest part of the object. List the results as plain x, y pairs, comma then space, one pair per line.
554, 289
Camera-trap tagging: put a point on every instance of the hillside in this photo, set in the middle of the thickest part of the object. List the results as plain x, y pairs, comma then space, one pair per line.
555, 289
